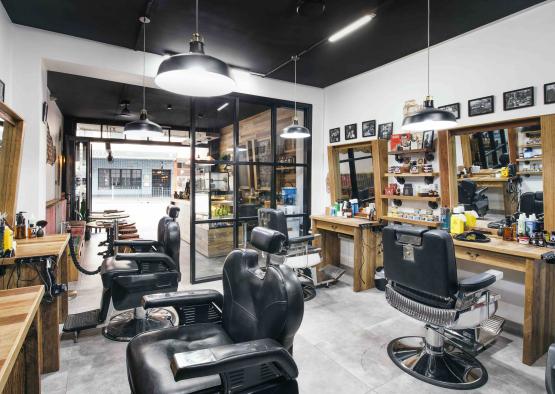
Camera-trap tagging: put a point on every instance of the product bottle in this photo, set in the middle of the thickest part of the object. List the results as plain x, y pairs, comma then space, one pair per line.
508, 230
521, 225
445, 218
20, 226
458, 220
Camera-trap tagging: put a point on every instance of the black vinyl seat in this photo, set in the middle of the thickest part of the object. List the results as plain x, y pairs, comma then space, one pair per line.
239, 342
472, 198
531, 203
152, 267
421, 270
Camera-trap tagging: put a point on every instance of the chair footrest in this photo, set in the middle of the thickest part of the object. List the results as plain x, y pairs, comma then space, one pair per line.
332, 271
81, 321
493, 325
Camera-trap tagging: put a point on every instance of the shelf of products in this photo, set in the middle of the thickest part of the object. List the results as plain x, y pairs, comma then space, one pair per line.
538, 145
410, 175
410, 198
409, 152
537, 158
411, 221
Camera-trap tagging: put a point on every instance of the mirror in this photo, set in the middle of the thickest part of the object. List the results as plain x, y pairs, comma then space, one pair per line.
499, 170
11, 139
354, 174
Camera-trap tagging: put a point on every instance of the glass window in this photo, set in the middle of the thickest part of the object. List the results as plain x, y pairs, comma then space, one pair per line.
113, 132
254, 189
88, 130
289, 150
181, 136
255, 128
136, 178
214, 191
213, 242
289, 189
103, 178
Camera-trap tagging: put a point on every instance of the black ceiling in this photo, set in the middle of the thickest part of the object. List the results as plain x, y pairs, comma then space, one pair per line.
260, 34
97, 99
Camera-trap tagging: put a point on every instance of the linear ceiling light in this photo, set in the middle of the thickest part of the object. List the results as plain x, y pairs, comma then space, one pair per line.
223, 106
351, 28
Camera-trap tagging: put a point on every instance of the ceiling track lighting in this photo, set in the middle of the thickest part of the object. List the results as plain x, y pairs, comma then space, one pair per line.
295, 130
143, 127
195, 73
429, 118
223, 106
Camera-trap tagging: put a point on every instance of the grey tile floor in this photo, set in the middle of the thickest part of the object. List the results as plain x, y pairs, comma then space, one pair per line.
340, 348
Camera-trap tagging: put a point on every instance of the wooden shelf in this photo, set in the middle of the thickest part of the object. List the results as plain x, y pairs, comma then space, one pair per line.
530, 159
410, 198
531, 145
286, 168
409, 175
409, 152
540, 173
410, 221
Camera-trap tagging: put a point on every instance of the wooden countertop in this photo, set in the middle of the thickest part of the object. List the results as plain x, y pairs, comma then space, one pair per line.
353, 222
18, 308
506, 247
484, 179
49, 245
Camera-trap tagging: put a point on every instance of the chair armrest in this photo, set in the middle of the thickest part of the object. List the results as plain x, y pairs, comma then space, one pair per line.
139, 244
227, 358
183, 298
302, 239
153, 257
481, 191
479, 281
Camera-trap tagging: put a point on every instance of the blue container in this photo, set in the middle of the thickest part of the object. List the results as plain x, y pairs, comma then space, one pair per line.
289, 195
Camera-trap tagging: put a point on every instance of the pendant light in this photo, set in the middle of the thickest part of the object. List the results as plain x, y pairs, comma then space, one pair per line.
295, 130
429, 118
143, 127
195, 73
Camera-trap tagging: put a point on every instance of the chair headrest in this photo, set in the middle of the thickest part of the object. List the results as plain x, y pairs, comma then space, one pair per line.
172, 211
266, 240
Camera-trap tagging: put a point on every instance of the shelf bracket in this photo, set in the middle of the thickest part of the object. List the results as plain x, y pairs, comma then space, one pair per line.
397, 203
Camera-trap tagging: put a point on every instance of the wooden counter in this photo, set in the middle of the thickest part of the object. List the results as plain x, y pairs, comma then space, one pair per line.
367, 246
20, 350
539, 286
51, 313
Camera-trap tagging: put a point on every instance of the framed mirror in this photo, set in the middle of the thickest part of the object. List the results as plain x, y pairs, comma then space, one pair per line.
11, 141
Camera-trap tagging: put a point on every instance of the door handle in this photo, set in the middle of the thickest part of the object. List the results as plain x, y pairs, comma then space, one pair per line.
472, 256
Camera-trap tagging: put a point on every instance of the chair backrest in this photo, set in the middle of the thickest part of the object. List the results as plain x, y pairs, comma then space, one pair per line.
274, 220
260, 304
421, 263
467, 189
531, 202
169, 234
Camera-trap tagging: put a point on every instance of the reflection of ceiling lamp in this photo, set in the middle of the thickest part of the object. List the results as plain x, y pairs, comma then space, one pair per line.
195, 73
222, 106
125, 110
429, 118
238, 149
295, 130
143, 127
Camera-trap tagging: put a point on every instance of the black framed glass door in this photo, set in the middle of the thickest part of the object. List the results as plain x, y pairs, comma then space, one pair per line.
240, 164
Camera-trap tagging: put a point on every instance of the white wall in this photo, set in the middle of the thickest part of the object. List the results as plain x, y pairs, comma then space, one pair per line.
6, 51
40, 50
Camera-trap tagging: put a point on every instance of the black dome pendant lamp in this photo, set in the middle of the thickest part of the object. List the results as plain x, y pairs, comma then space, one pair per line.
143, 127
195, 73
429, 118
295, 130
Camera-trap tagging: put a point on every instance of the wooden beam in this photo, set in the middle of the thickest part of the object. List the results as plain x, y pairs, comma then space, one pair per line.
380, 164
466, 150
548, 163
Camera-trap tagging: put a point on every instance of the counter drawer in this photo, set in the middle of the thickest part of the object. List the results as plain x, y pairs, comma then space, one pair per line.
494, 259
336, 228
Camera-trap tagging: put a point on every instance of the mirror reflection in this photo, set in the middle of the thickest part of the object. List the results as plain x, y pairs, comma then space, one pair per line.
356, 175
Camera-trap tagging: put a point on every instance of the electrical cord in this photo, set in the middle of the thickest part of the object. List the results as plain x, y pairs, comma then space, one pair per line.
76, 261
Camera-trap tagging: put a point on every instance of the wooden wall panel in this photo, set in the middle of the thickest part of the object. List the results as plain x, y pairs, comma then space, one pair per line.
548, 162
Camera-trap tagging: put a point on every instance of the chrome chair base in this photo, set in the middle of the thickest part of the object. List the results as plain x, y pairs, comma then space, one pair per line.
126, 325
444, 365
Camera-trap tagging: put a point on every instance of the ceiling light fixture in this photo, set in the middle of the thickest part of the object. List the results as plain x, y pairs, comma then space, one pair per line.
351, 28
195, 73
223, 106
143, 127
169, 107
125, 110
295, 130
429, 118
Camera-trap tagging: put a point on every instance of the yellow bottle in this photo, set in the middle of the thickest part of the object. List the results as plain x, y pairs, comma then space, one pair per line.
8, 238
457, 221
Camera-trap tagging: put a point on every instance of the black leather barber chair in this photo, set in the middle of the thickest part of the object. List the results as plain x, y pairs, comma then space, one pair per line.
421, 270
473, 199
153, 267
239, 342
550, 370
531, 202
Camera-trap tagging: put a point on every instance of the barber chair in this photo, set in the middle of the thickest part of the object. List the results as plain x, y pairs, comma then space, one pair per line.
299, 254
473, 199
152, 267
239, 342
421, 270
531, 203
550, 370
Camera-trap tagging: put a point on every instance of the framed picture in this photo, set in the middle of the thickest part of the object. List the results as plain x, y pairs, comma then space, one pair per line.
455, 109
481, 106
2, 90
385, 130
369, 128
548, 93
520, 98
428, 139
335, 135
351, 131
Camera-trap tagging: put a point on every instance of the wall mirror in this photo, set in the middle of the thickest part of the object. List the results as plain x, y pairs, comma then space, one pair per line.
497, 169
352, 173
11, 140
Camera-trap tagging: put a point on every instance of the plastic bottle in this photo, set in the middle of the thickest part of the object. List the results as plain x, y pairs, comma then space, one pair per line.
521, 225
458, 220
445, 218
